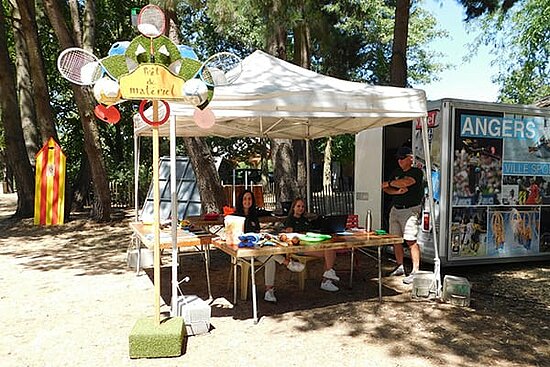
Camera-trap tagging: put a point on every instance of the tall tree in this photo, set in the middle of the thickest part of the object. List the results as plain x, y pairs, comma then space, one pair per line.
519, 35
29, 31
24, 87
13, 132
398, 69
101, 210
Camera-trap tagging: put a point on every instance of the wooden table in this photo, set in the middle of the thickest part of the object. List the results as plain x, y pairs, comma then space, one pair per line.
337, 242
145, 234
199, 221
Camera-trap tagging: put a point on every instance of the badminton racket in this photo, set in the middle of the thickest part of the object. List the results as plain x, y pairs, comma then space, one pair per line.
220, 69
151, 24
79, 66
151, 21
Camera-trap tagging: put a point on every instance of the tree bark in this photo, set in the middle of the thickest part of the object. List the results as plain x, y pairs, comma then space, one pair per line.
101, 210
284, 171
24, 87
44, 113
398, 68
282, 154
302, 57
11, 118
208, 179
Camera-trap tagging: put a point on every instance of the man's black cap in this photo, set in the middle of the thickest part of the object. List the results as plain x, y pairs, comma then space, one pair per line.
402, 152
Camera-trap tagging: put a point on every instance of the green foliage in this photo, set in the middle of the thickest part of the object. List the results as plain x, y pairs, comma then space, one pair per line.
521, 49
357, 43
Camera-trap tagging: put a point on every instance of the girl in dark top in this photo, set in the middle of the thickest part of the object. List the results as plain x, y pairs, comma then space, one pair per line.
297, 222
246, 207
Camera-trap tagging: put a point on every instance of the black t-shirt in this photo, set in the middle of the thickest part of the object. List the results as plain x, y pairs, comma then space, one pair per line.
415, 192
251, 222
300, 225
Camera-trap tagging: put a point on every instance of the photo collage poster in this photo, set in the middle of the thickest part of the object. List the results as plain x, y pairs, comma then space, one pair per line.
501, 185
434, 142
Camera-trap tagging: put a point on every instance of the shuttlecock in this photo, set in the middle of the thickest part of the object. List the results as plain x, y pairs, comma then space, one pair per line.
90, 72
196, 88
107, 91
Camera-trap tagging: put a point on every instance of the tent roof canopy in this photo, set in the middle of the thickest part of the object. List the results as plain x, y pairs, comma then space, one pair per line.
276, 99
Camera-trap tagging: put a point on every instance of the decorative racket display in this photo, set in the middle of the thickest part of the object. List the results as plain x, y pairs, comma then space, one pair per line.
150, 67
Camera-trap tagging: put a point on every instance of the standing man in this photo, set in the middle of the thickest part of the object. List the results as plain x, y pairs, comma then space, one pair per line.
405, 185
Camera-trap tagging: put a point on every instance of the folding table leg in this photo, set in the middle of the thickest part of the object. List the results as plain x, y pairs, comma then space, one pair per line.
234, 261
351, 268
206, 252
254, 300
379, 274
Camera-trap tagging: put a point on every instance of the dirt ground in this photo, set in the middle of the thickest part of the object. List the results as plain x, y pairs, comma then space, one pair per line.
68, 299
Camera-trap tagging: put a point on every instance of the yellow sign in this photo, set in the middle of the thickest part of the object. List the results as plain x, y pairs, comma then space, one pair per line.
151, 81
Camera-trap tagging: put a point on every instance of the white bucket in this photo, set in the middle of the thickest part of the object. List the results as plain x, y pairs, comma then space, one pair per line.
146, 258
234, 227
423, 284
456, 290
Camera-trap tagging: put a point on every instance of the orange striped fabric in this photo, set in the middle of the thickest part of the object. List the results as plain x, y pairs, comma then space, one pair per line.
49, 196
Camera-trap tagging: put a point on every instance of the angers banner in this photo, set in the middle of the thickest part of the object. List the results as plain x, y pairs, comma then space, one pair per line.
501, 185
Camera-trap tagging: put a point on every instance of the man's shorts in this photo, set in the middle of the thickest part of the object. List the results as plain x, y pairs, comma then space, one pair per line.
405, 222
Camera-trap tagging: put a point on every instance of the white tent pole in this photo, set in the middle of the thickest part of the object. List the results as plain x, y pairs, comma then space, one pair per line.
437, 262
308, 177
174, 202
233, 189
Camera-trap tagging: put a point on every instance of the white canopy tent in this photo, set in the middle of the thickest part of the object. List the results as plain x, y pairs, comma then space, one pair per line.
276, 99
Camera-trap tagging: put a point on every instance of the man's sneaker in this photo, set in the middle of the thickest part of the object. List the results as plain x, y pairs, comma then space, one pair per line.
328, 285
409, 278
270, 295
331, 274
400, 270
295, 266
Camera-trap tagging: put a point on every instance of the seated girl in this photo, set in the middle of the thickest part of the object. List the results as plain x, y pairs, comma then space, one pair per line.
246, 207
297, 222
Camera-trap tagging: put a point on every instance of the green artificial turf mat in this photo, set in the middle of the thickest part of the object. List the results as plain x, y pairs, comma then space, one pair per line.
150, 340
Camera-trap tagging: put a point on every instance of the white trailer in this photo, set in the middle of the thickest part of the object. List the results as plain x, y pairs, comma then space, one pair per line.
490, 167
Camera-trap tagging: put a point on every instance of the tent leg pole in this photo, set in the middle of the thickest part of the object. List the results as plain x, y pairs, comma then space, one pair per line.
308, 177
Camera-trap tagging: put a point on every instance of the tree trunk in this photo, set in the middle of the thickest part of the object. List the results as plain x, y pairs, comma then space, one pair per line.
302, 57
11, 118
44, 113
24, 87
282, 155
299, 151
208, 179
284, 171
82, 185
327, 176
101, 210
398, 69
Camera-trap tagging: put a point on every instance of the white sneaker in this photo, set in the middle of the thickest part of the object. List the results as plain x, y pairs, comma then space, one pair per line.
328, 285
400, 270
410, 278
331, 274
270, 295
295, 266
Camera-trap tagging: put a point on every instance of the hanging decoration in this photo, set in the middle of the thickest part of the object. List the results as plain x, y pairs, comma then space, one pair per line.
148, 68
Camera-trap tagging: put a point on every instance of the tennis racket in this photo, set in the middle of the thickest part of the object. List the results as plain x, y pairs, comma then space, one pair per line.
220, 69
79, 66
